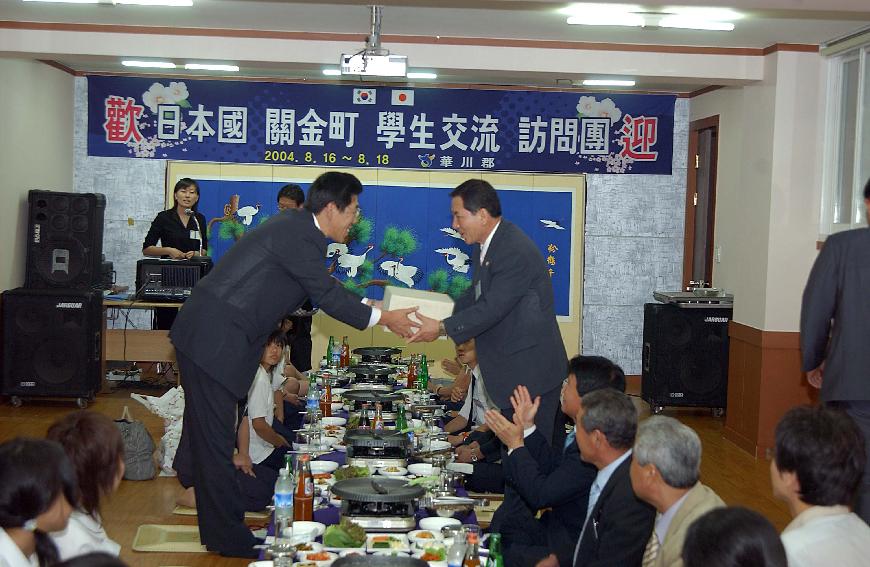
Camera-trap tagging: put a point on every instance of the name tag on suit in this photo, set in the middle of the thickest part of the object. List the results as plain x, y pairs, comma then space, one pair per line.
194, 235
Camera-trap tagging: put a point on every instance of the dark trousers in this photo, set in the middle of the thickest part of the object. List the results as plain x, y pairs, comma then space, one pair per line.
859, 411
209, 432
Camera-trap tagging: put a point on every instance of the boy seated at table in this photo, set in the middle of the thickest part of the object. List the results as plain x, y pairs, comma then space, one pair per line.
470, 418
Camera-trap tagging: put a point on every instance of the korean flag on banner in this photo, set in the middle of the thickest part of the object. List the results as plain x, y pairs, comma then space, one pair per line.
363, 96
403, 97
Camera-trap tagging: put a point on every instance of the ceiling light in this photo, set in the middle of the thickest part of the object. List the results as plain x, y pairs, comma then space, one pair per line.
694, 23
208, 67
416, 75
68, 1
715, 14
604, 15
594, 9
332, 72
176, 3
608, 83
151, 64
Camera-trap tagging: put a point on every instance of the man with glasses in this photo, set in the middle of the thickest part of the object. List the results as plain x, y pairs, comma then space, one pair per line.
220, 333
545, 477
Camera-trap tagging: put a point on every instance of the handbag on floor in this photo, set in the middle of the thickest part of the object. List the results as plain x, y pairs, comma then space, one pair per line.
138, 448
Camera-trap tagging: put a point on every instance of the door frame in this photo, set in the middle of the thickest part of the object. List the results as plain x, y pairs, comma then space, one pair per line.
691, 188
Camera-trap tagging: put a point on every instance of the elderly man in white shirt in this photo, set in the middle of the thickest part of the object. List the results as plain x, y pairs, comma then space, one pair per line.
817, 465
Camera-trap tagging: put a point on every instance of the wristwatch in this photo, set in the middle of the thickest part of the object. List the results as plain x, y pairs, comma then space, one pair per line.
473, 457
442, 332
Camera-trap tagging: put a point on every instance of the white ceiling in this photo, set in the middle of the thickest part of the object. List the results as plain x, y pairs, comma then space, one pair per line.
767, 22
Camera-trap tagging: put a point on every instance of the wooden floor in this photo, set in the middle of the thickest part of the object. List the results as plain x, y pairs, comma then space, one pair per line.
738, 478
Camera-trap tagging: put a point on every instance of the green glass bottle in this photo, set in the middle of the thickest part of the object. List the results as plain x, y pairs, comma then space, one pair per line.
423, 376
495, 558
401, 420
329, 349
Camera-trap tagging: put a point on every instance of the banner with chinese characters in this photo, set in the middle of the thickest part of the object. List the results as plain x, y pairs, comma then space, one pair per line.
385, 127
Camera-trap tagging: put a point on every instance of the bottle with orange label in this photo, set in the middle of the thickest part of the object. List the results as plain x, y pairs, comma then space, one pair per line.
303, 497
345, 353
412, 373
326, 398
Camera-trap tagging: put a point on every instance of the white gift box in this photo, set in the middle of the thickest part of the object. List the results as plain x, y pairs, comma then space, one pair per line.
435, 305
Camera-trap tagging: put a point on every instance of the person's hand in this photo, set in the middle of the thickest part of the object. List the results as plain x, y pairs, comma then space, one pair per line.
457, 394
189, 255
524, 408
452, 367
284, 442
398, 321
429, 330
815, 376
467, 453
244, 464
292, 399
455, 440
177, 254
510, 433
548, 561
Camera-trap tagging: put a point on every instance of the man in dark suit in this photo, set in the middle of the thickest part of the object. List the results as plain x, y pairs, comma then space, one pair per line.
221, 330
835, 332
617, 524
508, 309
546, 477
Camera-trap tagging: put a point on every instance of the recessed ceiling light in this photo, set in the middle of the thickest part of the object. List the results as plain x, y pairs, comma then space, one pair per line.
67, 1
332, 72
715, 14
151, 64
209, 67
420, 75
604, 15
608, 83
174, 3
694, 23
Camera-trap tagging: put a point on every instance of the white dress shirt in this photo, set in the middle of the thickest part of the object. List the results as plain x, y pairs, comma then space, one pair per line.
825, 536
12, 556
261, 403
477, 401
376, 313
485, 246
83, 534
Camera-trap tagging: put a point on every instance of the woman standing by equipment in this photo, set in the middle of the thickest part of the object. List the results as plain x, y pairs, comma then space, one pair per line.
181, 234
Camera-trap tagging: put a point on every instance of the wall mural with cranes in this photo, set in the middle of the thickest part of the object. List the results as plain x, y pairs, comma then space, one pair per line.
403, 236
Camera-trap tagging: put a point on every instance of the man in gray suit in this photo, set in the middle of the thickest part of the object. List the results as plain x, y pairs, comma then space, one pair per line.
508, 310
835, 332
221, 330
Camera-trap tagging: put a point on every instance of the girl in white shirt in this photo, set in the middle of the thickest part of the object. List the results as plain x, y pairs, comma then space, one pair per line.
95, 448
37, 484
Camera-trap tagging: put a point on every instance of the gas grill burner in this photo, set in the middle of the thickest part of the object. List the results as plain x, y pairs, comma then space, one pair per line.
377, 354
384, 504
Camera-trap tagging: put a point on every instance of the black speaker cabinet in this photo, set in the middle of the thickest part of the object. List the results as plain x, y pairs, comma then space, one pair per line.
64, 240
685, 356
51, 343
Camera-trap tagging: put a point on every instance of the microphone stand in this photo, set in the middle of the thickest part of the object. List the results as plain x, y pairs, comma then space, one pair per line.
192, 213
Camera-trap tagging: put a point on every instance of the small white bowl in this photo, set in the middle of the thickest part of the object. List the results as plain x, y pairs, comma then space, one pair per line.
423, 469
337, 447
421, 542
332, 557
315, 547
435, 523
265, 563
337, 406
323, 466
347, 552
401, 472
335, 420
313, 529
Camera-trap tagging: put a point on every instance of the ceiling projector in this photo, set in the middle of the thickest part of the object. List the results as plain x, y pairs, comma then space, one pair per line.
374, 65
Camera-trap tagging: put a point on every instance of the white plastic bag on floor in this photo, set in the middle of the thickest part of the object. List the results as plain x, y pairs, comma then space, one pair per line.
169, 406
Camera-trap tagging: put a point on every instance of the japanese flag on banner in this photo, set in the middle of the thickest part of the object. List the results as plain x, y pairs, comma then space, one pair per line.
363, 96
403, 97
